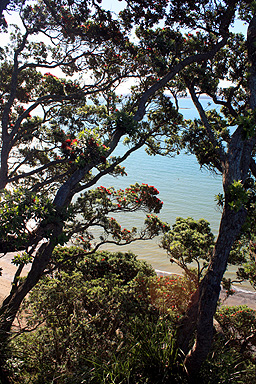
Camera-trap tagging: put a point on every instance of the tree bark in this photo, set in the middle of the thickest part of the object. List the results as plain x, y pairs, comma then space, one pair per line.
12, 303
3, 6
200, 316
230, 228
235, 167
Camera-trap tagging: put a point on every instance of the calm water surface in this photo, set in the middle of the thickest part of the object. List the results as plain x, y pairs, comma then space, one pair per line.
185, 189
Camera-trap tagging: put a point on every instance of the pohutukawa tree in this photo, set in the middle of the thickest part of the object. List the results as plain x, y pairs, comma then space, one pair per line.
59, 130
223, 140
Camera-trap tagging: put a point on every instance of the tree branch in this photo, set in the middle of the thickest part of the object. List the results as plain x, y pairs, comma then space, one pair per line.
253, 167
109, 169
176, 69
37, 170
219, 150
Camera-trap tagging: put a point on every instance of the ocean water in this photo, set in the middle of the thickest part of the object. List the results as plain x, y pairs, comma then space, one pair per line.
185, 189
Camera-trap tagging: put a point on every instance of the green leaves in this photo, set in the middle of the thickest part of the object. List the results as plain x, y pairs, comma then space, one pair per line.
20, 211
124, 121
247, 123
96, 208
238, 195
198, 141
238, 322
21, 259
100, 318
189, 241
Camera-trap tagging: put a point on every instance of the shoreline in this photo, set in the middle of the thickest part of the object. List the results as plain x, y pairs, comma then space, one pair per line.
240, 296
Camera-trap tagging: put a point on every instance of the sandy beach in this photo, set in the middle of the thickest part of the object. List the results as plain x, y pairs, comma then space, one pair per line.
240, 297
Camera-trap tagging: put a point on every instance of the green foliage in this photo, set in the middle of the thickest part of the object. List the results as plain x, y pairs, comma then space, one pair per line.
23, 258
246, 122
219, 198
123, 121
67, 149
248, 271
232, 357
189, 241
92, 323
238, 322
150, 356
101, 264
96, 207
107, 318
226, 364
18, 209
238, 195
196, 138
169, 294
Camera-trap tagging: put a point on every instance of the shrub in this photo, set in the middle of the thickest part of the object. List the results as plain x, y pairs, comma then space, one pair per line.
238, 322
91, 313
168, 293
232, 358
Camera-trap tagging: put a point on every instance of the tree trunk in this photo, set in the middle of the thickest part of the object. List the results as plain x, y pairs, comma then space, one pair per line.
12, 303
3, 375
230, 228
235, 167
188, 323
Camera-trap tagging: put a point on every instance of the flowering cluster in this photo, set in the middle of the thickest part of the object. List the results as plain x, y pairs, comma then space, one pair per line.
167, 293
144, 194
237, 321
70, 149
96, 207
53, 85
93, 30
68, 146
92, 152
156, 225
120, 234
85, 243
135, 197
21, 110
97, 150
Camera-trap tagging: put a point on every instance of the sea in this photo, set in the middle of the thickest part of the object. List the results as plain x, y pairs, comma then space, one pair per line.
185, 189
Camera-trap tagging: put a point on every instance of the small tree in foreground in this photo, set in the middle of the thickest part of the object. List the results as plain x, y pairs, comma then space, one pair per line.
189, 242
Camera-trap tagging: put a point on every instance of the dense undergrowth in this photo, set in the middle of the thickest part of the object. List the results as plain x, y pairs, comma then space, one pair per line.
108, 318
